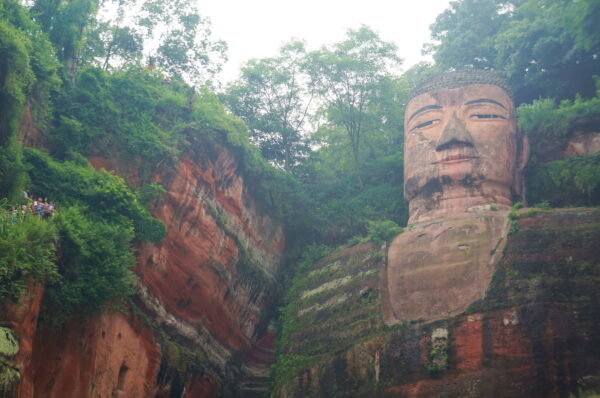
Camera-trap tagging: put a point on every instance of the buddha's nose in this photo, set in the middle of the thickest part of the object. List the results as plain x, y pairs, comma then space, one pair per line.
455, 133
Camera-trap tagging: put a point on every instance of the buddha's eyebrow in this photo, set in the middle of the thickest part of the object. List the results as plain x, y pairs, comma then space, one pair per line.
423, 109
480, 100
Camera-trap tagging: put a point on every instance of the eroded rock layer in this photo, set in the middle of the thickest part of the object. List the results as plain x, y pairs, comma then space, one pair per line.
534, 334
210, 282
109, 355
201, 323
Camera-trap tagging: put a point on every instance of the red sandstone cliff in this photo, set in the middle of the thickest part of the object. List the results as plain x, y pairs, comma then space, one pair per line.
534, 334
201, 323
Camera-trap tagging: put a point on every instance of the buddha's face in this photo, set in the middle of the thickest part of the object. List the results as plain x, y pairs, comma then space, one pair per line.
463, 137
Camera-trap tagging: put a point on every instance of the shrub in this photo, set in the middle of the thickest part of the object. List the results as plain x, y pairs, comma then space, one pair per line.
383, 231
574, 181
27, 250
544, 120
94, 266
101, 193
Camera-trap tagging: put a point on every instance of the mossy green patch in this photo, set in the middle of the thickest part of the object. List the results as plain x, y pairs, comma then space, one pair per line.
9, 346
9, 379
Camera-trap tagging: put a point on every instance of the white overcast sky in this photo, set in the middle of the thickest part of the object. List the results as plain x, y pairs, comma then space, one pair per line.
257, 28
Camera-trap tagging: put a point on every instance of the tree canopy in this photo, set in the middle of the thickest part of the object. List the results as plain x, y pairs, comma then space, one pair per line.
135, 84
272, 97
347, 76
545, 48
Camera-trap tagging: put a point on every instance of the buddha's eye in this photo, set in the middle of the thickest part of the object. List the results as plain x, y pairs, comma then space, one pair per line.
487, 116
427, 123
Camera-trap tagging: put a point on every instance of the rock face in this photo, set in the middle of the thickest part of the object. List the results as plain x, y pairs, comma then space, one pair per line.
111, 355
23, 319
534, 333
210, 282
583, 138
201, 322
30, 132
437, 268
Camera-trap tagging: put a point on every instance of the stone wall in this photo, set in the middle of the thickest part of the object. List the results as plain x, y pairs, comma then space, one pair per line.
534, 334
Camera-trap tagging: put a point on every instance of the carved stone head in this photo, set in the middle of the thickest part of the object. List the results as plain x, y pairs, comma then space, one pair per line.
462, 145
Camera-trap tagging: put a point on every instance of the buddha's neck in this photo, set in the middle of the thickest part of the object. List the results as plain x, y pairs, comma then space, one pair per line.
457, 200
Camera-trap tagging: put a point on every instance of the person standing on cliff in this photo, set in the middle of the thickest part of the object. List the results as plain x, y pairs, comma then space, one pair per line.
463, 158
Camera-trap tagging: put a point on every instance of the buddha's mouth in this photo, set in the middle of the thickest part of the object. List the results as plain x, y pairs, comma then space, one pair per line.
455, 159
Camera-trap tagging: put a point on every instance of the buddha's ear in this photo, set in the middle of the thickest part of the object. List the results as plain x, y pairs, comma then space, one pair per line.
523, 152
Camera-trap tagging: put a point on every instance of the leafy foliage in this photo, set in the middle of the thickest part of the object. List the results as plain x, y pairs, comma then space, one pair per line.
383, 231
310, 255
544, 121
346, 76
27, 251
133, 113
122, 33
183, 41
27, 68
111, 40
272, 98
95, 192
546, 48
65, 23
95, 263
574, 181
17, 80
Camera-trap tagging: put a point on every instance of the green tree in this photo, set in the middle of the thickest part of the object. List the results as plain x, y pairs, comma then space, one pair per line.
27, 250
346, 76
179, 40
271, 96
464, 34
112, 40
545, 48
345, 207
66, 24
17, 78
95, 263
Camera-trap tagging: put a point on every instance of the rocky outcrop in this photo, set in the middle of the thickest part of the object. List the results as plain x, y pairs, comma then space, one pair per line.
109, 355
583, 138
31, 134
437, 268
22, 318
201, 323
210, 282
534, 334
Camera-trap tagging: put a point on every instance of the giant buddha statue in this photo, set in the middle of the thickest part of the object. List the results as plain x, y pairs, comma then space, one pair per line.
463, 157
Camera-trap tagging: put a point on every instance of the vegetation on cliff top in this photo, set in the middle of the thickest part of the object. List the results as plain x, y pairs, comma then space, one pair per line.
144, 118
27, 251
319, 137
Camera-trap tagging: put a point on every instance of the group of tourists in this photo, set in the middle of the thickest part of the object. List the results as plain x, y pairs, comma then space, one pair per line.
40, 207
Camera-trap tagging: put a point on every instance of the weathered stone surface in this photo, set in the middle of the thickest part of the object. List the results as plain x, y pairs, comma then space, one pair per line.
207, 290
436, 269
462, 149
463, 157
31, 134
211, 280
209, 284
583, 143
23, 319
534, 334
110, 355
583, 138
